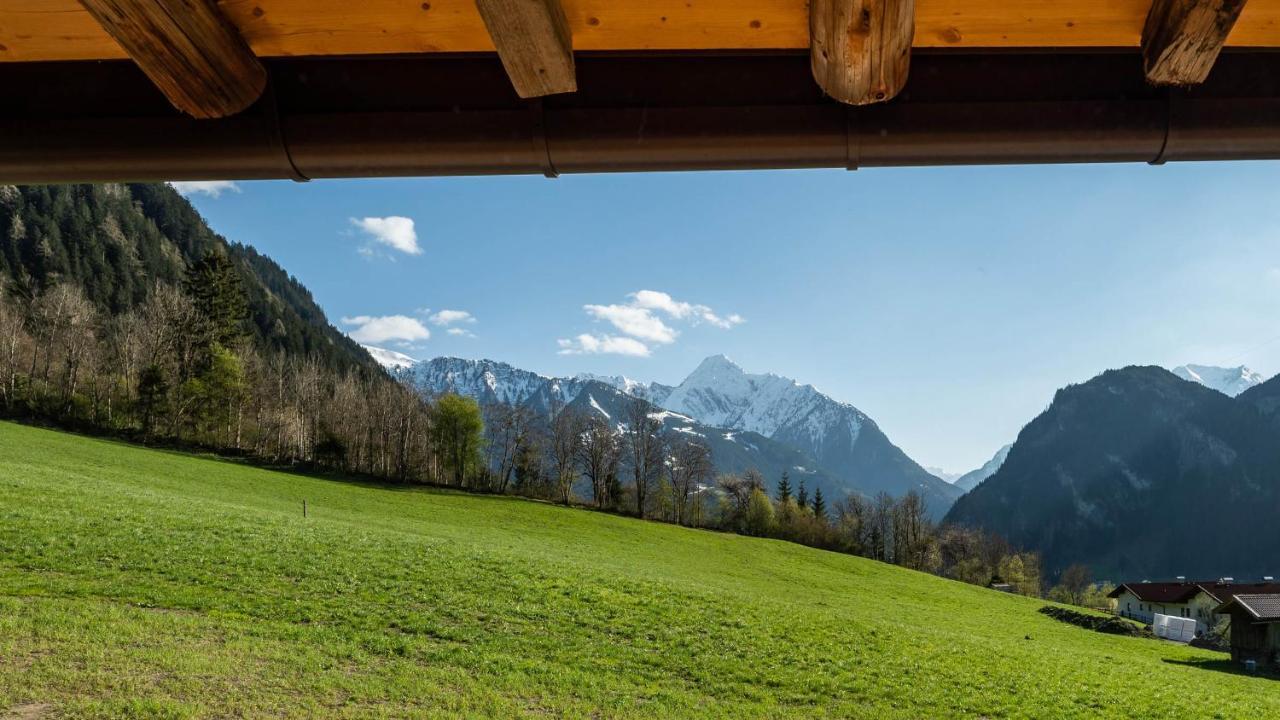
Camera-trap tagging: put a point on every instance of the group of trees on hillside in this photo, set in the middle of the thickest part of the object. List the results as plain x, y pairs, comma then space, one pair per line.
181, 367
637, 467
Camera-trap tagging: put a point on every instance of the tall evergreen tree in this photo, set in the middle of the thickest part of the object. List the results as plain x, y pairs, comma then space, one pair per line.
802, 496
819, 504
215, 288
784, 487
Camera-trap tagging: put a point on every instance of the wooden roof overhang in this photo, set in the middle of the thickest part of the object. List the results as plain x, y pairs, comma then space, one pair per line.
177, 89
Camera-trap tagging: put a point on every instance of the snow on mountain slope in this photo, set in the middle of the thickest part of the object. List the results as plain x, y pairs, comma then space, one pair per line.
768, 420
491, 382
720, 393
839, 436
389, 359
970, 480
1228, 381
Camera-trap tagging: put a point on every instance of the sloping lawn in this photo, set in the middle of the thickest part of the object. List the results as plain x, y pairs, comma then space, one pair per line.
142, 583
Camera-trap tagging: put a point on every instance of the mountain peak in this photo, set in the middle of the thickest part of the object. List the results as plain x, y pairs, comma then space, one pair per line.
1230, 381
717, 363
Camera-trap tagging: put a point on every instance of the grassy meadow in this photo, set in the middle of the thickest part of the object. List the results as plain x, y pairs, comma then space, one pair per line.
142, 583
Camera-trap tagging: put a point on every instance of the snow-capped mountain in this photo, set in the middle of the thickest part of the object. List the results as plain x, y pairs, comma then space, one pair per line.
840, 437
489, 381
764, 421
389, 359
1228, 381
970, 480
653, 392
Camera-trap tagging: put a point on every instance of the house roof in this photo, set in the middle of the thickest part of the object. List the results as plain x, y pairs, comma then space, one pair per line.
1263, 607
1181, 592
1175, 592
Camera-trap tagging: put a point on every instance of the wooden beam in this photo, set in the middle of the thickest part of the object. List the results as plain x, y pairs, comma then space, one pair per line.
1182, 38
860, 50
193, 54
39, 30
534, 43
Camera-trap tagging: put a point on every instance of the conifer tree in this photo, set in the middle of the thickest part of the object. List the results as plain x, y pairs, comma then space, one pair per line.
819, 504
214, 286
784, 488
802, 496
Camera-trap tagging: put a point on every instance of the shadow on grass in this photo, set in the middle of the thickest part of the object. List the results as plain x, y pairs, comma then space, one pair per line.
1223, 665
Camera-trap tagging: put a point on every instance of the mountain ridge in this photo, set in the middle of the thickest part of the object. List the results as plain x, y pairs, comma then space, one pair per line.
878, 466
1139, 473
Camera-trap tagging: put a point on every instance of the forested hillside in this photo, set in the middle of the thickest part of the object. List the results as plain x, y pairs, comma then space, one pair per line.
1140, 474
117, 242
122, 313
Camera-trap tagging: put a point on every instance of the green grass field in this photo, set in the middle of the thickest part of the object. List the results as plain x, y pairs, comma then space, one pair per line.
142, 583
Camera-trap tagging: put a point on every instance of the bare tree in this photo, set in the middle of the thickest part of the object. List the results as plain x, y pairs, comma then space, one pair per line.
691, 466
599, 456
567, 427
13, 336
508, 433
644, 449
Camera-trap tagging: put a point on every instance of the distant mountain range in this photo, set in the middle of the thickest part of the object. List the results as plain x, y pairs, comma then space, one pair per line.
1140, 474
970, 480
765, 421
1228, 381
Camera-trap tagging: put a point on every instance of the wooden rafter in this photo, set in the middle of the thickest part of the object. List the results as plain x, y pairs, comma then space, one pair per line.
1182, 38
534, 43
193, 54
860, 50
36, 30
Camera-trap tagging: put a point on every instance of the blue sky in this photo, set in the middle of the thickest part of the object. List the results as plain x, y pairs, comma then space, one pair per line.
946, 303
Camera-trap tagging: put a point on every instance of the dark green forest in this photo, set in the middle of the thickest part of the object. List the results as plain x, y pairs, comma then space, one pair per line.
117, 242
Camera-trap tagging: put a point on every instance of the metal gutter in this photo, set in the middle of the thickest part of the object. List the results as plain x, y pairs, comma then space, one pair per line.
434, 115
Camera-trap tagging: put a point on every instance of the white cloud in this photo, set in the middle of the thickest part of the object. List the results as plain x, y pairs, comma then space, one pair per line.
655, 300
445, 318
638, 322
460, 332
388, 328
603, 344
393, 231
212, 188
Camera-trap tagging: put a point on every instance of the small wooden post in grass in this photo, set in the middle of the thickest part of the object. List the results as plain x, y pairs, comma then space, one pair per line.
304, 508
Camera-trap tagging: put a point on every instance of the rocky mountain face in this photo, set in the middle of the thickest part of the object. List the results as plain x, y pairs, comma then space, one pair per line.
1140, 474
762, 421
838, 436
1228, 381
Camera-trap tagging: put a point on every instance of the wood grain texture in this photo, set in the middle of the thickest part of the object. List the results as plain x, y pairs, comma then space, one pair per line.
188, 49
861, 49
1182, 38
33, 30
534, 43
